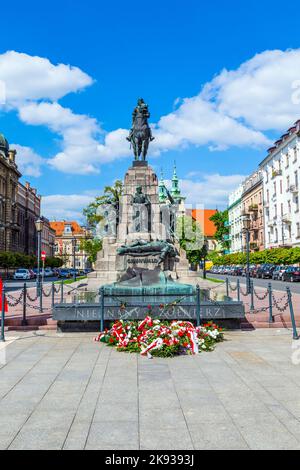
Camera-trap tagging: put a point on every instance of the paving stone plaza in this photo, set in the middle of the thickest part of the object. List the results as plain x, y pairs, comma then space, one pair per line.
67, 392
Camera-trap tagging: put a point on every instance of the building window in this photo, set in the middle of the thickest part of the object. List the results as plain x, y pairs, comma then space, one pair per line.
280, 186
298, 230
287, 160
287, 183
296, 179
297, 203
295, 154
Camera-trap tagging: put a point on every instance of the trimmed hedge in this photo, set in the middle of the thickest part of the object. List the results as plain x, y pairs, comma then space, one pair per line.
10, 260
278, 256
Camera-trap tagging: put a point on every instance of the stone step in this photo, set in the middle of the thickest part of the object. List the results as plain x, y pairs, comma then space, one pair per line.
47, 328
22, 328
31, 320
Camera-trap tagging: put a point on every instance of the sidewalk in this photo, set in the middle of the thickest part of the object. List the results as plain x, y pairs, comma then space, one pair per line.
68, 392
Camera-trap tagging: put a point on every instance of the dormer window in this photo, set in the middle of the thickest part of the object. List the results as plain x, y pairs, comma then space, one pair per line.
68, 229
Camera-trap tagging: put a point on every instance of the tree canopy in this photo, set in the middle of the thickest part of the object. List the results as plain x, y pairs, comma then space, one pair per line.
111, 195
220, 219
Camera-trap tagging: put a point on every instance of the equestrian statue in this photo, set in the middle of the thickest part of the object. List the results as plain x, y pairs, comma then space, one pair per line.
140, 134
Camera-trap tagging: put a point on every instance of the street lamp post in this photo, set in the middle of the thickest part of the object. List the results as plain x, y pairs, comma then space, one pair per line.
39, 228
74, 257
246, 230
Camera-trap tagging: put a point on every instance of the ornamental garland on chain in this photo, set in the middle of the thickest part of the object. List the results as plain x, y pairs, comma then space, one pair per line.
153, 337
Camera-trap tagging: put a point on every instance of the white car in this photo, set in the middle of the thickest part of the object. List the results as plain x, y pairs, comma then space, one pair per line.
48, 272
22, 274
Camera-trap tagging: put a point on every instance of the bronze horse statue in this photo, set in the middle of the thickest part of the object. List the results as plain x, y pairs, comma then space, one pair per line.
140, 135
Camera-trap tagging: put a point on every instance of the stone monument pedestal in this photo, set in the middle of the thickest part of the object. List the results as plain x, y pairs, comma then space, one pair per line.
111, 266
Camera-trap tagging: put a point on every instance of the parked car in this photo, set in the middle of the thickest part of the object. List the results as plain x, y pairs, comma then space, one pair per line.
265, 271
22, 274
291, 274
48, 272
253, 271
237, 271
64, 274
278, 273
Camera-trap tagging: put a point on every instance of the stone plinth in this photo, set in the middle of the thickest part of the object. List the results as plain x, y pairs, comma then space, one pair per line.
110, 266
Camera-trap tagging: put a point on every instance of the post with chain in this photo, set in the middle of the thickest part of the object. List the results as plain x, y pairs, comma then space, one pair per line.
238, 284
101, 293
62, 292
271, 318
41, 299
295, 332
24, 319
198, 305
252, 295
53, 295
2, 337
227, 287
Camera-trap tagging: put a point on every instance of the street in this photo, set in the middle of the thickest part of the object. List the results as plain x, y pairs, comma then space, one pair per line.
12, 285
276, 285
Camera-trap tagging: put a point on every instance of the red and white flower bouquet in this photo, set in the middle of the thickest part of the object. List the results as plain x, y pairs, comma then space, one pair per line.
152, 337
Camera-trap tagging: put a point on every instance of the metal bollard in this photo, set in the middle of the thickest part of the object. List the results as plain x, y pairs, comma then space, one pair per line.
252, 295
271, 318
2, 337
101, 293
238, 290
53, 294
41, 299
227, 287
24, 319
295, 332
198, 305
62, 292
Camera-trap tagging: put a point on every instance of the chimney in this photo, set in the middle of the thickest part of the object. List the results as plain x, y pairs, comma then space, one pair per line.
12, 156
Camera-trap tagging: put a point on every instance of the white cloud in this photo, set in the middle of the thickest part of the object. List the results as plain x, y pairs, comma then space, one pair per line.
260, 91
212, 191
65, 207
29, 78
235, 108
29, 162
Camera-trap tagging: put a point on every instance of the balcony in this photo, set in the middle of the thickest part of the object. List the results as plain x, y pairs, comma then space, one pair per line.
253, 208
293, 189
271, 222
287, 219
276, 173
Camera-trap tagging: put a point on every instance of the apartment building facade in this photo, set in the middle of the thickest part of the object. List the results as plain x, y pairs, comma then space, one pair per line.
281, 190
68, 237
253, 212
235, 220
9, 176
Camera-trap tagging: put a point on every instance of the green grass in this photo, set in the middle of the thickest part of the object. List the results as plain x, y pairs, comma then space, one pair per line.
211, 279
71, 281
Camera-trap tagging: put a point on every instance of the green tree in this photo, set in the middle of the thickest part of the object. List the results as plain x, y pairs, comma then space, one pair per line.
91, 247
111, 195
191, 239
220, 219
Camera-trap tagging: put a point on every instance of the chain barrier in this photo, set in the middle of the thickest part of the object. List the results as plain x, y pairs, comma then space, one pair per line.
12, 301
244, 294
259, 297
233, 289
57, 290
45, 294
32, 299
281, 308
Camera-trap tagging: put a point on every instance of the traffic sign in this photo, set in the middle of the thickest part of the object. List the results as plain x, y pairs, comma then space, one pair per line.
43, 255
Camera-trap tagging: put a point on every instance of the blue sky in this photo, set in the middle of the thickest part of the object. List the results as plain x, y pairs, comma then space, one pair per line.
69, 125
